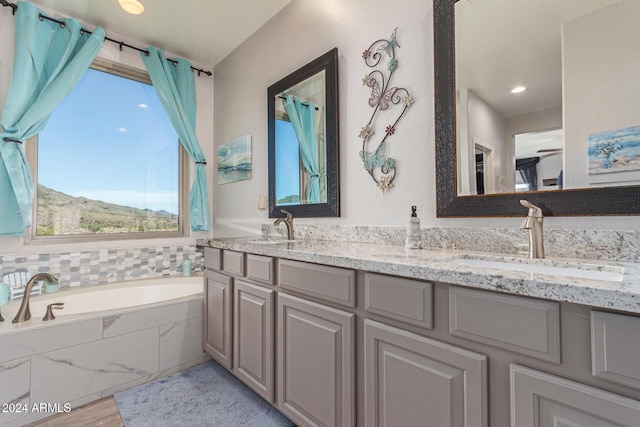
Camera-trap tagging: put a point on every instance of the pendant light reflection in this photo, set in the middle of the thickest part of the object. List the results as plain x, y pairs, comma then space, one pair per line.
133, 7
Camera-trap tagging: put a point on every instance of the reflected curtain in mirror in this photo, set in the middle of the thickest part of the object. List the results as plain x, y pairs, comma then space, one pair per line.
303, 120
528, 169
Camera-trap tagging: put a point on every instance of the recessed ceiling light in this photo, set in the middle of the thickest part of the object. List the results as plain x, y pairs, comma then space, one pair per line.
518, 89
133, 7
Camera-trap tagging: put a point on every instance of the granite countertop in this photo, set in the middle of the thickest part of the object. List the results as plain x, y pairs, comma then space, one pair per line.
458, 267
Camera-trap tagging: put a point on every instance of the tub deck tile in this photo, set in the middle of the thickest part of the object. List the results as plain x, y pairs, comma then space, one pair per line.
22, 343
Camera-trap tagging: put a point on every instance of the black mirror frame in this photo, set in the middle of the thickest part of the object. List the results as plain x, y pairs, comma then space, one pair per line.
574, 202
329, 63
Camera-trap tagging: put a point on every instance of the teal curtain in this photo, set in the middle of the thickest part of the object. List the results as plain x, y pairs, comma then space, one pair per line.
49, 60
175, 85
303, 119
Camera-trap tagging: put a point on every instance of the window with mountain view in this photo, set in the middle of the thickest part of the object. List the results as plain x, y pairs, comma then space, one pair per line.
108, 162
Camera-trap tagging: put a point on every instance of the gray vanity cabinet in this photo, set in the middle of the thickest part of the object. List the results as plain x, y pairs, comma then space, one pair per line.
218, 317
334, 347
253, 337
316, 351
410, 379
539, 399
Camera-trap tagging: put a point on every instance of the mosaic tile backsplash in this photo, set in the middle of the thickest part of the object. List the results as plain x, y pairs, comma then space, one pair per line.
100, 266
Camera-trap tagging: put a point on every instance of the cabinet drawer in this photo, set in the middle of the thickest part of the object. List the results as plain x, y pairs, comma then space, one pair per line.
260, 268
233, 262
213, 258
522, 325
328, 283
406, 300
615, 348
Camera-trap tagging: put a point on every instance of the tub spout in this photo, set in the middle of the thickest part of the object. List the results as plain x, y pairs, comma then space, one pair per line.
24, 313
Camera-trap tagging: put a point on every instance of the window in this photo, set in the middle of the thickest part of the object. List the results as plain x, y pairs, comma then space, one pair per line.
108, 163
287, 165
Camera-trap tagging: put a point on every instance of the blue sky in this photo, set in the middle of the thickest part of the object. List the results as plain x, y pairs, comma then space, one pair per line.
111, 140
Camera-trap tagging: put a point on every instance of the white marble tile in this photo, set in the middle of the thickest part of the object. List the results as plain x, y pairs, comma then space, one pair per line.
19, 342
148, 317
180, 342
70, 373
14, 388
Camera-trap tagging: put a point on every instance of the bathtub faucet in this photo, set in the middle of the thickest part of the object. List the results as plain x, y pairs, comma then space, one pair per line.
24, 313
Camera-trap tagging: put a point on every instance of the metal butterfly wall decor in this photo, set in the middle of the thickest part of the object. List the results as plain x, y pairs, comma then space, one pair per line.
382, 168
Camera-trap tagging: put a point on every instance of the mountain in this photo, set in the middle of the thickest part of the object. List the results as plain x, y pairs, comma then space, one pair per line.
291, 199
60, 213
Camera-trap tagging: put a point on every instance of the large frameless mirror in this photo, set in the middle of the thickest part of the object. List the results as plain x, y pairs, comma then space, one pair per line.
537, 99
303, 140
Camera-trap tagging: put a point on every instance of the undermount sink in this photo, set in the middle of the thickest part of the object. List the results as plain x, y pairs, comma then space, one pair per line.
267, 241
586, 270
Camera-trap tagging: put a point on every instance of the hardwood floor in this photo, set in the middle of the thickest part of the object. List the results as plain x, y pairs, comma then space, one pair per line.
103, 412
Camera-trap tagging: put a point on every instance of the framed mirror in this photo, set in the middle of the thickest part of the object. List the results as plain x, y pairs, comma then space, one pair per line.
579, 61
303, 141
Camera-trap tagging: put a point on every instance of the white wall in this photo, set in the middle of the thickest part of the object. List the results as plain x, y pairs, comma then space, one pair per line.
110, 51
304, 30
487, 127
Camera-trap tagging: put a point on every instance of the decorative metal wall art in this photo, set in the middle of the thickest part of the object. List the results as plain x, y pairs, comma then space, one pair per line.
382, 168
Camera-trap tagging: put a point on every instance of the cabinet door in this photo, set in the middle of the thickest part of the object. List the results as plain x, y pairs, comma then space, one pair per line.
410, 380
253, 337
217, 317
315, 365
543, 400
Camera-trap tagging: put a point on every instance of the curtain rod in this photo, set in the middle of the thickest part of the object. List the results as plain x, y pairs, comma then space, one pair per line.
302, 103
14, 8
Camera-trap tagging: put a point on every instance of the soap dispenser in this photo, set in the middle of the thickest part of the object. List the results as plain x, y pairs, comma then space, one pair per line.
414, 235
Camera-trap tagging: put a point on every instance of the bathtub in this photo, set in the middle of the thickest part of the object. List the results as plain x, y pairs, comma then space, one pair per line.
107, 338
95, 299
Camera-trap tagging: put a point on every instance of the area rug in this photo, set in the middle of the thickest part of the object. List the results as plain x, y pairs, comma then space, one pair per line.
205, 395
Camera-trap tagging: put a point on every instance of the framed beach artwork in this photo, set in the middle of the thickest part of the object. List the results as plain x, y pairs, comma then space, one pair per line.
614, 151
234, 160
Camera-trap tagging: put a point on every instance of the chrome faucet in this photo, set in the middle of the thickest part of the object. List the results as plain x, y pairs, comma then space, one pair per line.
533, 223
24, 313
288, 221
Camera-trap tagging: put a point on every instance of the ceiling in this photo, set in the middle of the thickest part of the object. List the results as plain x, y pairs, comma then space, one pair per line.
501, 44
203, 31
